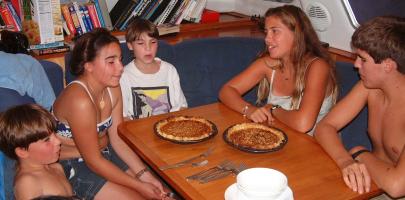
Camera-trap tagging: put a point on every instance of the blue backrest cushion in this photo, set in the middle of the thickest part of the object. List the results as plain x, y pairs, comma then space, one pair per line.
355, 133
55, 75
9, 98
205, 65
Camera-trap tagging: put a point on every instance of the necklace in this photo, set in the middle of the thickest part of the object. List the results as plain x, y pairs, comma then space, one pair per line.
101, 104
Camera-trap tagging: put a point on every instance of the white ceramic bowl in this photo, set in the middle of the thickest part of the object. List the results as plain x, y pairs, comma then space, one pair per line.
259, 184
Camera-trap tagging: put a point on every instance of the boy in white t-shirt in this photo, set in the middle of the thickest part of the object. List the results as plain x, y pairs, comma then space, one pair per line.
149, 85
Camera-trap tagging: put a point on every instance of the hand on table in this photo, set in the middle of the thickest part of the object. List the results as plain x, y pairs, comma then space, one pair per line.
260, 114
356, 176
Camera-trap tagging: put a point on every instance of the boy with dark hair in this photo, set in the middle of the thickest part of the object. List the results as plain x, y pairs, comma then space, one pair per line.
380, 48
27, 136
149, 85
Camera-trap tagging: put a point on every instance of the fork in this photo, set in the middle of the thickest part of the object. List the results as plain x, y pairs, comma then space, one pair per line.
208, 171
189, 160
226, 171
221, 173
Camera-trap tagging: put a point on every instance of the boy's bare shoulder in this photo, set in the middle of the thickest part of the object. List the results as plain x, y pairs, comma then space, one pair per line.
23, 185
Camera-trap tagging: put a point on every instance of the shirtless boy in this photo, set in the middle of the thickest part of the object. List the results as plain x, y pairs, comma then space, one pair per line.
380, 48
26, 135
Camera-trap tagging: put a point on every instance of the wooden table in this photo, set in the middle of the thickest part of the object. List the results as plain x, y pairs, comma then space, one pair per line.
311, 173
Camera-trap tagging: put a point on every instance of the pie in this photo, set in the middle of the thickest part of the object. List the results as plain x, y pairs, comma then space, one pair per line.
255, 137
185, 129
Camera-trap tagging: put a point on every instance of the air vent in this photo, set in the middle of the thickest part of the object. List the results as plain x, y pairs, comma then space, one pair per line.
319, 16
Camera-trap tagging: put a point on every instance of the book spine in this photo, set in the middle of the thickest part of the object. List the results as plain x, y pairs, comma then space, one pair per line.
99, 13
17, 7
56, 20
52, 50
48, 45
79, 16
148, 9
16, 18
86, 18
75, 20
68, 19
106, 15
93, 15
166, 13
124, 16
179, 12
149, 14
132, 16
8, 18
65, 28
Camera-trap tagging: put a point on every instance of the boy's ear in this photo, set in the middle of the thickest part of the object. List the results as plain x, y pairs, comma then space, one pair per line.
21, 152
389, 65
129, 44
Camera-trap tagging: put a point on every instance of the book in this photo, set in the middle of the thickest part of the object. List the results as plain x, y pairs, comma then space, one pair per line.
68, 18
80, 15
166, 12
93, 15
159, 10
45, 25
105, 14
99, 13
51, 50
86, 18
179, 11
48, 45
173, 11
165, 29
75, 20
125, 14
17, 4
8, 18
122, 10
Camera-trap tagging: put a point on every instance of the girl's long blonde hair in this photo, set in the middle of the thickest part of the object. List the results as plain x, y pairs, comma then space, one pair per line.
306, 46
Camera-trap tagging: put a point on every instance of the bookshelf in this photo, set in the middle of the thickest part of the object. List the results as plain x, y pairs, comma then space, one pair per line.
230, 24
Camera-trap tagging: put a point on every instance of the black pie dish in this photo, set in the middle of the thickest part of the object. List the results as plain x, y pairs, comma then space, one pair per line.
213, 134
253, 150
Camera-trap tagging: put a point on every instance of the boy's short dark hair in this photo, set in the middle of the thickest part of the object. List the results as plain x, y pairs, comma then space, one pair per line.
383, 37
139, 26
22, 125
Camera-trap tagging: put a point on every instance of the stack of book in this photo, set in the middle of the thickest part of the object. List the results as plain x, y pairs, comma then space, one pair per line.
82, 16
157, 11
49, 48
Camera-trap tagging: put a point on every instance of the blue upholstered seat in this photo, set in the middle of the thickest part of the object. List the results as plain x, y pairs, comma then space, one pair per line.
11, 98
355, 133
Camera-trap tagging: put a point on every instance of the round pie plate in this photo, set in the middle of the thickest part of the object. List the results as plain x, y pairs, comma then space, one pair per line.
214, 131
253, 150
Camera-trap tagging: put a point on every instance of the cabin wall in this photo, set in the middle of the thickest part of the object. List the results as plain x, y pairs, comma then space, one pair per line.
337, 33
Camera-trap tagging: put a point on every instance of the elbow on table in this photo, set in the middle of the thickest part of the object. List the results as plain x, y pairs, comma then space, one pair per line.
304, 125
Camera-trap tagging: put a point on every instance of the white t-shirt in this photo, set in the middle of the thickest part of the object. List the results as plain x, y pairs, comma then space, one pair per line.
145, 95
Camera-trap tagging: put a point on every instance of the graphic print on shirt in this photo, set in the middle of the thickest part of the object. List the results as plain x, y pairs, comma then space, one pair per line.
148, 101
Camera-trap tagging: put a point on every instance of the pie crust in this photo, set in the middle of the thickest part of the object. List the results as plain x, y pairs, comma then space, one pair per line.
255, 137
185, 129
